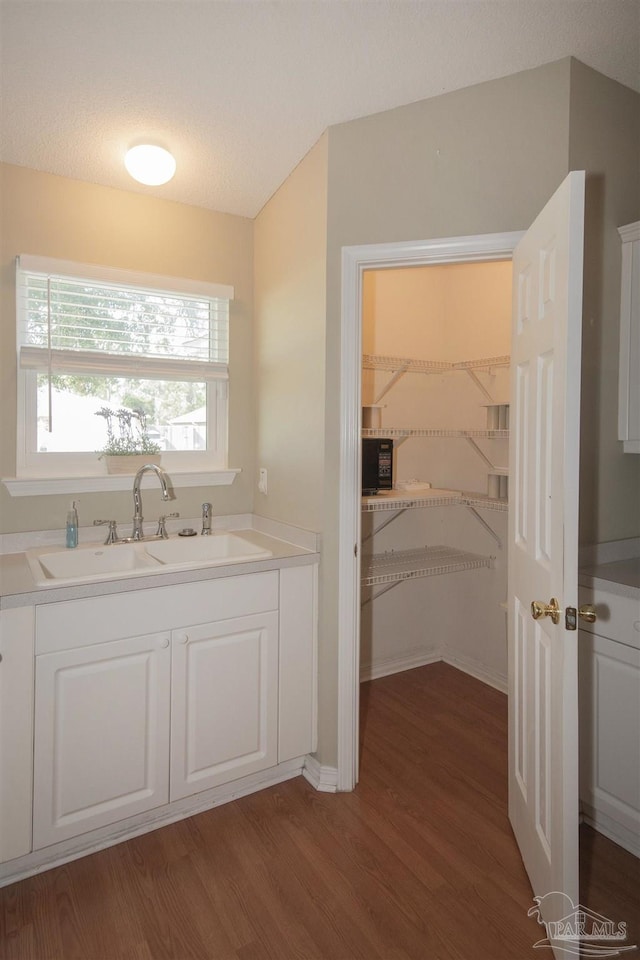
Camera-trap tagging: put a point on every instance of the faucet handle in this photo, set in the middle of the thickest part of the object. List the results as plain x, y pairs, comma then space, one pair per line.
162, 530
112, 536
206, 519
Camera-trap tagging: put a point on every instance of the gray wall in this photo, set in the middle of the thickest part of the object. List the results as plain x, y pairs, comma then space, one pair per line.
604, 140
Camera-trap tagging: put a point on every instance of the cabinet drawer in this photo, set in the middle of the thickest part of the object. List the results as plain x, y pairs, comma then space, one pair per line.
79, 623
618, 616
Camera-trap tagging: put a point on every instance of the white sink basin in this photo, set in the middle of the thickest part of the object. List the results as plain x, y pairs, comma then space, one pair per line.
205, 551
89, 563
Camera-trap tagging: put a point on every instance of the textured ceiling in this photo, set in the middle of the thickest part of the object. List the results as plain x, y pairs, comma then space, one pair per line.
239, 90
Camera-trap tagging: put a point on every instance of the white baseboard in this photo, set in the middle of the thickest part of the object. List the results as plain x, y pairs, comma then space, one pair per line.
478, 670
391, 665
384, 668
68, 850
322, 778
610, 828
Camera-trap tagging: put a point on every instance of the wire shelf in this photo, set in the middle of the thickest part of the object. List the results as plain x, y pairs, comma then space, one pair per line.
396, 500
498, 504
397, 565
405, 364
405, 500
401, 432
408, 365
483, 364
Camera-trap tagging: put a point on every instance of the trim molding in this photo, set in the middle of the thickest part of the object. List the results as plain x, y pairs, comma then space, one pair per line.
322, 778
385, 668
42, 486
391, 665
355, 260
623, 836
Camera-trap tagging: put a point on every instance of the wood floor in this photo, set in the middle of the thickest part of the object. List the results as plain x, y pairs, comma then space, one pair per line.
419, 862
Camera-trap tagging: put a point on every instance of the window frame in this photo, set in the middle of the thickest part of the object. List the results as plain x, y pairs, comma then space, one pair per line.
31, 464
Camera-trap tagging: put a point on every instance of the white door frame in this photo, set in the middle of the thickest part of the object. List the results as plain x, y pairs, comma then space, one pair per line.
355, 260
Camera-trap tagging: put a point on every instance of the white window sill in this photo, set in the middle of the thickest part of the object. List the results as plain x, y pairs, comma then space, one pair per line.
44, 486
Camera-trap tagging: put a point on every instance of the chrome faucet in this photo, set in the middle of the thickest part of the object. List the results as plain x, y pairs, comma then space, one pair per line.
167, 494
206, 519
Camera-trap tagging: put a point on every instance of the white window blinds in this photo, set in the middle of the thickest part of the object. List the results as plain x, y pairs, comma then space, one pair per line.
82, 318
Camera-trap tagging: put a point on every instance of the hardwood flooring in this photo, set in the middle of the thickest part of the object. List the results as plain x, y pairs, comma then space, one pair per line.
419, 863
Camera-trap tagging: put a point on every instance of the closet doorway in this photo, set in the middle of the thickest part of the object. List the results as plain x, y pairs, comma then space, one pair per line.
356, 261
435, 384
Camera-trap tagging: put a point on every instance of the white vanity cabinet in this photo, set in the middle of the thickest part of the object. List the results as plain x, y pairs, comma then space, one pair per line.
151, 696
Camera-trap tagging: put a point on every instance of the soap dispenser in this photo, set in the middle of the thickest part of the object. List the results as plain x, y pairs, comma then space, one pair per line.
72, 525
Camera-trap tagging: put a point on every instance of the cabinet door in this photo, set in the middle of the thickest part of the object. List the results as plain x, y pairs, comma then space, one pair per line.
16, 730
224, 702
609, 723
101, 735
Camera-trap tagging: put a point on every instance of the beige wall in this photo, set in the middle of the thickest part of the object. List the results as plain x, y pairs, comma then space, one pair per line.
480, 160
605, 141
290, 307
56, 217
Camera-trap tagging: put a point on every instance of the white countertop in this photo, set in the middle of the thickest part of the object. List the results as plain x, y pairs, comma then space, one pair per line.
18, 588
621, 577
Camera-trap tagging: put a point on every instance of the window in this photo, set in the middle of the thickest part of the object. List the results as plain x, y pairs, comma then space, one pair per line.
92, 339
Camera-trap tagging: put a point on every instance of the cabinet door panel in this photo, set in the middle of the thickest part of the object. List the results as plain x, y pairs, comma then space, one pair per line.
610, 720
224, 702
101, 735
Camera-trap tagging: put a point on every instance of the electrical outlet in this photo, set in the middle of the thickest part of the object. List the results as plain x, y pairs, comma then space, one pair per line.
262, 480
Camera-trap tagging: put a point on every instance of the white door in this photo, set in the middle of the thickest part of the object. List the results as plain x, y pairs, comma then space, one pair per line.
224, 702
101, 735
543, 541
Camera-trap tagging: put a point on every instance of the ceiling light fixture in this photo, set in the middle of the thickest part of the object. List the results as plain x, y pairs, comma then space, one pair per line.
150, 164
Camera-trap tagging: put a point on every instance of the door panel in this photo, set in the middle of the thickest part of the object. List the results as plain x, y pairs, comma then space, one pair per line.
543, 711
224, 702
101, 735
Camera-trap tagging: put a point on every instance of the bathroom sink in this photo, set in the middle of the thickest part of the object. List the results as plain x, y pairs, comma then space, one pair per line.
90, 562
205, 551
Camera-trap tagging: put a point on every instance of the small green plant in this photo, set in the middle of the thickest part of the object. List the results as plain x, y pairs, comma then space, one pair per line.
130, 436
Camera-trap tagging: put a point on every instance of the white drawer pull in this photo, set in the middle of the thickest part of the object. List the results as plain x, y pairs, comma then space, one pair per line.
164, 643
636, 625
182, 638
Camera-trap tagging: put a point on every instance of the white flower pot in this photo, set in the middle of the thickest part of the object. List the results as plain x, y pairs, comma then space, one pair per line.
131, 463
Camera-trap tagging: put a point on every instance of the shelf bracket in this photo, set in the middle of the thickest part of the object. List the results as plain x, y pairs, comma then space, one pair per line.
482, 456
384, 524
390, 383
484, 524
479, 384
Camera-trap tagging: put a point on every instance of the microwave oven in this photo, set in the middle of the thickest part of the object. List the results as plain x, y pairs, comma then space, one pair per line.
377, 465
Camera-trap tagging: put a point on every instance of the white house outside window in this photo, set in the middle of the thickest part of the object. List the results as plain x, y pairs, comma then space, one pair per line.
91, 338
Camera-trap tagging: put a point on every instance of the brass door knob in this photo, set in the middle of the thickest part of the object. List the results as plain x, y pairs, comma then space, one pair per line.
587, 612
551, 609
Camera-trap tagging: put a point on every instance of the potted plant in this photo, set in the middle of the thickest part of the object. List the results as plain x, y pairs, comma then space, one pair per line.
128, 445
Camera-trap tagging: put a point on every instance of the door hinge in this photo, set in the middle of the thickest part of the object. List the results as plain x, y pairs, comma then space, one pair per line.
355, 549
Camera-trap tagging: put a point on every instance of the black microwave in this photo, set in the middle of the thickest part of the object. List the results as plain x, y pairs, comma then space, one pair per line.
377, 465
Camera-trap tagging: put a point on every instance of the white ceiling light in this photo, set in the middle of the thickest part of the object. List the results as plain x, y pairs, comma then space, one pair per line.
150, 164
